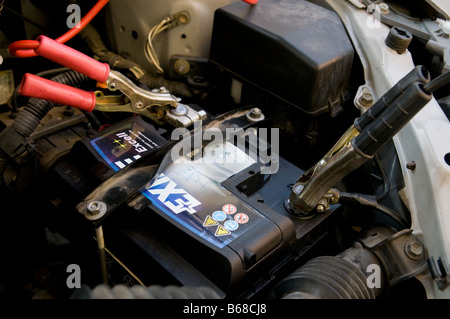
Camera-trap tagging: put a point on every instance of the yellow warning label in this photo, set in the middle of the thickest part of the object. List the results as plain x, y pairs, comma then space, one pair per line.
209, 222
221, 231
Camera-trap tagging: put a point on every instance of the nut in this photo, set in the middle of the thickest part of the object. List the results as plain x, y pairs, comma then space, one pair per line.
366, 99
182, 66
255, 114
320, 208
414, 250
384, 8
95, 210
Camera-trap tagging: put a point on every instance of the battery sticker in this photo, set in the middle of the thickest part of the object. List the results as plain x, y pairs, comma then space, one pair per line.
229, 209
127, 142
201, 205
241, 218
183, 191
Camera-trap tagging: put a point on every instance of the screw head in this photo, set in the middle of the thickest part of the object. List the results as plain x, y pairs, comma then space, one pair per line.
139, 105
414, 250
411, 165
182, 66
95, 210
180, 110
366, 99
384, 8
320, 208
255, 114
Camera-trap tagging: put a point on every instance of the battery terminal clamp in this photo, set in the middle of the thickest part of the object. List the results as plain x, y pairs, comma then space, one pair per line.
154, 104
313, 191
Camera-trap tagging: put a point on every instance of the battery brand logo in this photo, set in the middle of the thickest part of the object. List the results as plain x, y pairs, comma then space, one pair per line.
128, 139
176, 199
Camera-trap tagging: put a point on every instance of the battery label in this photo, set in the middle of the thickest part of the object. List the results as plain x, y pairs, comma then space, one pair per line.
187, 192
201, 205
127, 142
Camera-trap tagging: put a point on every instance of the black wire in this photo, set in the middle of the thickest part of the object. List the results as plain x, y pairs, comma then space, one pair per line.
370, 201
437, 82
386, 182
13, 100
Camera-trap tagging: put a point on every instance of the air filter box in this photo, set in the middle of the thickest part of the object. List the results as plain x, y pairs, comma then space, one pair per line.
293, 49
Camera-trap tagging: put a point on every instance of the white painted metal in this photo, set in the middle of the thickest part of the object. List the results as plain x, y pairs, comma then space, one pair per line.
132, 21
425, 139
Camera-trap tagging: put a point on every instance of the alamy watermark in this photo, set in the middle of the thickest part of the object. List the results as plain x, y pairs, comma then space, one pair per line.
373, 280
74, 18
229, 146
74, 278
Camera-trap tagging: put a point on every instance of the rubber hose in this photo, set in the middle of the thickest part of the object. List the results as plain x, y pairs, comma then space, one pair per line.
103, 291
36, 109
325, 277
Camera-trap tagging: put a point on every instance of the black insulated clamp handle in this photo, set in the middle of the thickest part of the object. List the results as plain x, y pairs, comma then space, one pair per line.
418, 74
392, 120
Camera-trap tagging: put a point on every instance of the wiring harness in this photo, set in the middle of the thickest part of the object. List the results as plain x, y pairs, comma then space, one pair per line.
167, 23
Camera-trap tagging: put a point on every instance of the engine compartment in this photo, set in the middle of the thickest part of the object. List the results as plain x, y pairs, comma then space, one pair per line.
253, 106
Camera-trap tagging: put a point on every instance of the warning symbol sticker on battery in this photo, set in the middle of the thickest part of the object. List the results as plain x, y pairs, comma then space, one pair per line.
231, 225
229, 209
209, 221
241, 218
221, 231
219, 216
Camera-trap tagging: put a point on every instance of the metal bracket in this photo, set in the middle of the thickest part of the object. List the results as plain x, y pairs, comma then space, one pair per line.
401, 254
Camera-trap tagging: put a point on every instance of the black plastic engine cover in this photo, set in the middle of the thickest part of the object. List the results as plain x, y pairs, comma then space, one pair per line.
294, 49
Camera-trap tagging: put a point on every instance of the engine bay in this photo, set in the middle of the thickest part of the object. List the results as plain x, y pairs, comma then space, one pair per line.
225, 149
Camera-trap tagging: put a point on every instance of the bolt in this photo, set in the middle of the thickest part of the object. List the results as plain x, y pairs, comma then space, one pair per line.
366, 99
183, 17
255, 114
93, 208
139, 105
321, 163
320, 208
68, 111
411, 165
96, 207
384, 8
181, 66
322, 205
180, 110
414, 250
